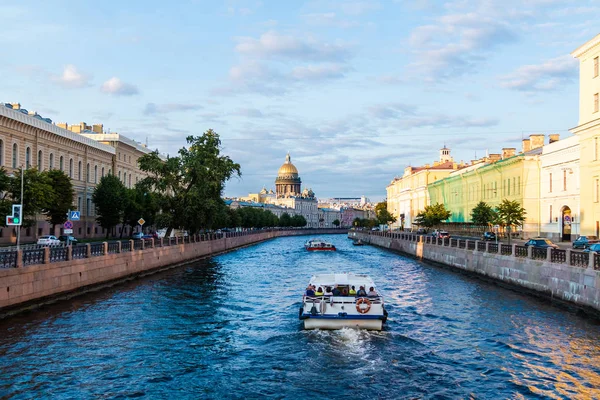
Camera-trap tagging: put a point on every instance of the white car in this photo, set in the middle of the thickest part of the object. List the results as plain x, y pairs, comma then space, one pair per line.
48, 240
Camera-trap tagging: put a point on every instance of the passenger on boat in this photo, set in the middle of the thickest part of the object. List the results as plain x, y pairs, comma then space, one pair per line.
345, 292
372, 292
336, 291
328, 291
310, 291
319, 291
352, 291
361, 291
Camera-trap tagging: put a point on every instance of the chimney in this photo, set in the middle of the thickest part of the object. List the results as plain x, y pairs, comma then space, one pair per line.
63, 125
436, 163
427, 165
537, 140
526, 145
97, 128
16, 106
554, 137
494, 157
508, 152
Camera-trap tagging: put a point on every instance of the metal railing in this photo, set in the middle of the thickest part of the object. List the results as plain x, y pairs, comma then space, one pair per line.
579, 259
558, 256
125, 246
8, 259
97, 249
492, 248
31, 257
58, 254
539, 253
505, 249
79, 252
521, 251
113, 247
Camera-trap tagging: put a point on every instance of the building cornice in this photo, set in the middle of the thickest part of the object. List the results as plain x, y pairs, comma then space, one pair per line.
584, 48
583, 127
48, 127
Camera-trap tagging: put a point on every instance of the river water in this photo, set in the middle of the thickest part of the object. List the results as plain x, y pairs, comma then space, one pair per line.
228, 328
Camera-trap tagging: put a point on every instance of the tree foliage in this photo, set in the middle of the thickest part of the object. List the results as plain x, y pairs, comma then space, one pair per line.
432, 215
510, 213
483, 214
190, 185
56, 211
38, 193
110, 198
336, 222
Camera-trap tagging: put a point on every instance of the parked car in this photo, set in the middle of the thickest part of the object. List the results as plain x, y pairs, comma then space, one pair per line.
375, 229
488, 236
583, 242
48, 240
541, 243
421, 231
137, 235
592, 247
72, 239
440, 234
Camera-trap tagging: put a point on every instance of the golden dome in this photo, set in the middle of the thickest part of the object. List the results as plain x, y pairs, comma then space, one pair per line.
287, 168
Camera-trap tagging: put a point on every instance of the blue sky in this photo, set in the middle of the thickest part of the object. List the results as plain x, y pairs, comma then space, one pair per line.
355, 90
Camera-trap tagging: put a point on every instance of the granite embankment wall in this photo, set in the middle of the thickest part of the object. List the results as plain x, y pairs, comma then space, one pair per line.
35, 284
564, 275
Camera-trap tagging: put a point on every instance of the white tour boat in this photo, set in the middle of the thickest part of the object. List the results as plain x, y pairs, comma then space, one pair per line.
339, 308
318, 245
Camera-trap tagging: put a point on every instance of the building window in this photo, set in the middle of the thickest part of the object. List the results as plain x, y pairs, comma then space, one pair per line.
79, 203
508, 185
40, 160
519, 184
1, 152
565, 180
550, 213
102, 172
79, 176
550, 182
87, 172
51, 161
88, 207
119, 175
596, 102
28, 157
596, 188
15, 159
95, 174
71, 168
595, 67
124, 178
129, 180
61, 163
596, 148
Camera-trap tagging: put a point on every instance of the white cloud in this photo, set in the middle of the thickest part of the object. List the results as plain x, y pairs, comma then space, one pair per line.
152, 108
117, 87
319, 72
274, 45
550, 75
72, 78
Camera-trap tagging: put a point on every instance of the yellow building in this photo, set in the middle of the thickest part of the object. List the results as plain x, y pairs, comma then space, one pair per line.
497, 177
588, 131
407, 195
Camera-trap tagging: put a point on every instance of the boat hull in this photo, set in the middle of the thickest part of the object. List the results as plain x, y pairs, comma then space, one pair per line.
340, 323
320, 249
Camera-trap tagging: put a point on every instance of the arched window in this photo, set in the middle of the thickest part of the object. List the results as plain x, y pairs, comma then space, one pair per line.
79, 176
61, 163
1, 152
40, 160
109, 171
87, 172
95, 174
51, 163
119, 175
129, 180
15, 155
71, 168
102, 172
124, 178
27, 158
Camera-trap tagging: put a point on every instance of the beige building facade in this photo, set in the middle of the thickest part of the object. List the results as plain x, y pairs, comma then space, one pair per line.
588, 131
28, 140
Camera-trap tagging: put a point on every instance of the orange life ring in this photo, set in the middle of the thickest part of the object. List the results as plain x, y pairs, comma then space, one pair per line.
359, 302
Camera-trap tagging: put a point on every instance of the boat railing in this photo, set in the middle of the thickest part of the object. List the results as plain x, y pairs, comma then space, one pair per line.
340, 299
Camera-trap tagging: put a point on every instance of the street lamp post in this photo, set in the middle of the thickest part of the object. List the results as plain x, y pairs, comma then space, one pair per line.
19, 229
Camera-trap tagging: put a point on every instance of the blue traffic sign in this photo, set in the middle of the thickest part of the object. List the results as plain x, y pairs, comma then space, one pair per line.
68, 225
74, 216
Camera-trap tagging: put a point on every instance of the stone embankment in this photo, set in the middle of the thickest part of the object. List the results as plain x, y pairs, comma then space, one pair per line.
569, 276
32, 277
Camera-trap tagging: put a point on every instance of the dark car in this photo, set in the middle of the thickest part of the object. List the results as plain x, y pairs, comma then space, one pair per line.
541, 243
63, 238
488, 236
421, 231
583, 242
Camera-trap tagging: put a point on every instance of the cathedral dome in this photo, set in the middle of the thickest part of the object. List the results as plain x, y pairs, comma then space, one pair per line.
288, 168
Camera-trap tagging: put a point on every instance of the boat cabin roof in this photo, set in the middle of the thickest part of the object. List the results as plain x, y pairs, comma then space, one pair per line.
342, 279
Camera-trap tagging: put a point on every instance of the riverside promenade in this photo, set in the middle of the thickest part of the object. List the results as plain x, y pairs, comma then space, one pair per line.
29, 278
569, 276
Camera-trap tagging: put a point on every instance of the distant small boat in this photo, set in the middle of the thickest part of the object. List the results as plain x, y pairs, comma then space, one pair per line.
358, 243
318, 245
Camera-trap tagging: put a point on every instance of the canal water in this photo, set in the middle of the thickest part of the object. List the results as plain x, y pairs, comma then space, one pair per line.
228, 328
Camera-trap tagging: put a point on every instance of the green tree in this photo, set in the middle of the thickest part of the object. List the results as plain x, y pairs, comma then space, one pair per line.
5, 199
56, 211
483, 214
109, 198
511, 213
298, 221
384, 217
190, 185
285, 220
336, 222
235, 220
38, 193
432, 215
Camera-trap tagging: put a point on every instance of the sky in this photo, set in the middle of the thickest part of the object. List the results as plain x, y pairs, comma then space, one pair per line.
354, 90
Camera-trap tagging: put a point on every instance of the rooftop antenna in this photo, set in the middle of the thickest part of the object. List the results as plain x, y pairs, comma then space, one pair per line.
146, 141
